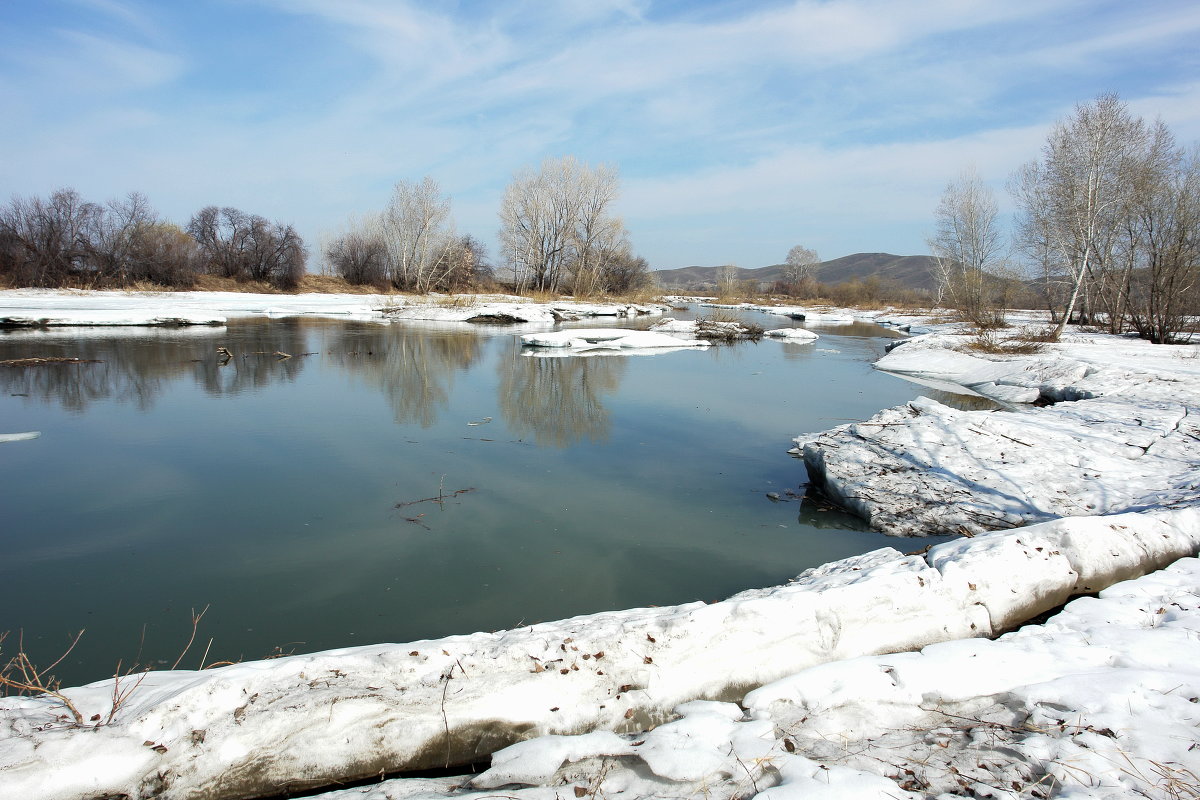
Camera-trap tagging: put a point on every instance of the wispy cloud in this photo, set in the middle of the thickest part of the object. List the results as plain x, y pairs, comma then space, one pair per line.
738, 127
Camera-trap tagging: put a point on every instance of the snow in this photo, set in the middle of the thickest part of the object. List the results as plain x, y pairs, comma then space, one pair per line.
1100, 701
585, 339
55, 307
704, 328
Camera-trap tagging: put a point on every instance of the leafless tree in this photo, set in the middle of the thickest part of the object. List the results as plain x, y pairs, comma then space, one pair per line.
800, 266
460, 263
359, 255
47, 242
1161, 285
968, 245
1073, 200
415, 227
557, 226
727, 281
238, 245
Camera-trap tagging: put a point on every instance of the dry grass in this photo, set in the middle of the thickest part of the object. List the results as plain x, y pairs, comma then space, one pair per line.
456, 301
987, 341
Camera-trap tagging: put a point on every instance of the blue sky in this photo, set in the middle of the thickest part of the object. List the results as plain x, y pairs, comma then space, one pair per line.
740, 128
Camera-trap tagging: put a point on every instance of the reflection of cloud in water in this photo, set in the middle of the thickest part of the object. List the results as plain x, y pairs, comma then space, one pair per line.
413, 368
559, 401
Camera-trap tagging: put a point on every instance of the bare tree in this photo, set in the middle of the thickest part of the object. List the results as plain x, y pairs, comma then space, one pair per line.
415, 228
461, 263
969, 247
238, 245
727, 281
47, 242
1073, 200
359, 255
1161, 288
556, 225
800, 266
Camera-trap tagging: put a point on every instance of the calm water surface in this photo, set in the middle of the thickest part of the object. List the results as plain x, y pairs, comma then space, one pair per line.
167, 479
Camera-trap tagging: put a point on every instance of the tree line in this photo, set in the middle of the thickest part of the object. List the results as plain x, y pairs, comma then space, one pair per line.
1108, 223
557, 233
65, 240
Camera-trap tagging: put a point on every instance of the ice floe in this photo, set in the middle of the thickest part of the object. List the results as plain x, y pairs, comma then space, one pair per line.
792, 334
586, 339
1121, 434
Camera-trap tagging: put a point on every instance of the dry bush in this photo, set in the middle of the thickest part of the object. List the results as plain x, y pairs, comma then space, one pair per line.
986, 341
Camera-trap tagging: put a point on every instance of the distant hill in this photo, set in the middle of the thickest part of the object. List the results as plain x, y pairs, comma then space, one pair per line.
911, 272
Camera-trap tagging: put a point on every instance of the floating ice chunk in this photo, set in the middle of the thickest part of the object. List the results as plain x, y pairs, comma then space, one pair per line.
793, 334
19, 437
611, 338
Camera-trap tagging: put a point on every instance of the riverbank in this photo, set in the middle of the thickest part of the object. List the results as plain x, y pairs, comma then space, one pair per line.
899, 723
51, 308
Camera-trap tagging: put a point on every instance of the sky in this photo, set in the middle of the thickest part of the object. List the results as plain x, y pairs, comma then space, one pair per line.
739, 128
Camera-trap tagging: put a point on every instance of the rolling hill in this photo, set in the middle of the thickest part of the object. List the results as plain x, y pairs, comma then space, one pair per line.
911, 272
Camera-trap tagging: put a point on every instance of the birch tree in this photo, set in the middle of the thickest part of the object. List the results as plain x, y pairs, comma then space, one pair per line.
414, 228
968, 245
557, 226
1074, 199
800, 265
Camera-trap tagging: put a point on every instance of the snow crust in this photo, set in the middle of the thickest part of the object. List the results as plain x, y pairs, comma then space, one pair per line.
1123, 434
1101, 701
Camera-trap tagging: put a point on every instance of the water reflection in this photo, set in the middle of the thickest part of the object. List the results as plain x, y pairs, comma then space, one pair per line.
138, 369
258, 355
414, 369
558, 401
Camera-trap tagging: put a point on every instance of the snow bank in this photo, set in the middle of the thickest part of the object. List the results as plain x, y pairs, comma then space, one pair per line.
58, 307
484, 312
55, 307
1100, 701
312, 720
1122, 438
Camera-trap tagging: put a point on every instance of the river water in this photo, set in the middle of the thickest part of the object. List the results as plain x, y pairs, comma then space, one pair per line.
392, 482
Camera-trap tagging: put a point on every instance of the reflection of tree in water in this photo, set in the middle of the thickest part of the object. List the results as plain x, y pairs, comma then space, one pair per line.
137, 369
414, 369
558, 400
254, 363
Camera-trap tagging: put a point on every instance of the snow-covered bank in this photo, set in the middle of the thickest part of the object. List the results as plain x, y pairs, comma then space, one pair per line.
1100, 701
261, 727
1125, 436
57, 307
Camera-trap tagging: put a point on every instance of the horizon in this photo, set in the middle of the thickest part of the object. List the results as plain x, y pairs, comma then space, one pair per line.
738, 131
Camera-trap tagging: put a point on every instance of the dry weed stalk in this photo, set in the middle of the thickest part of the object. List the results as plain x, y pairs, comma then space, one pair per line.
20, 675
